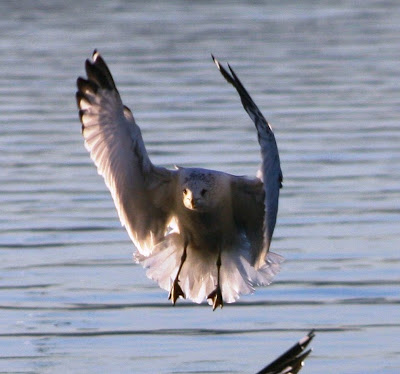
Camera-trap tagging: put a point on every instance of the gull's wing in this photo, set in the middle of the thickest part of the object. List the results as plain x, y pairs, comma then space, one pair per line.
248, 211
270, 169
143, 193
292, 360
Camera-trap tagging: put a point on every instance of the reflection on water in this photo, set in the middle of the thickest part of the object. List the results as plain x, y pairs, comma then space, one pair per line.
326, 76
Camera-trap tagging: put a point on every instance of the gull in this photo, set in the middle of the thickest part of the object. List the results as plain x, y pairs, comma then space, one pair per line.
202, 234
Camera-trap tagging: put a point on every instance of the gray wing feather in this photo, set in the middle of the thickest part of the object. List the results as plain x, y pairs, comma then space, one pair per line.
271, 172
142, 192
248, 211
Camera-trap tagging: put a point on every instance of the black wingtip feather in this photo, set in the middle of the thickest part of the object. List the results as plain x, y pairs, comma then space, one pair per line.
239, 86
293, 357
81, 113
311, 334
248, 104
98, 76
86, 85
298, 362
101, 64
233, 80
88, 65
79, 96
96, 73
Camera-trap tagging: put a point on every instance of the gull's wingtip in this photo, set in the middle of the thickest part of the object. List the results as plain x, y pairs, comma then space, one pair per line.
216, 61
303, 342
234, 74
311, 334
95, 54
292, 360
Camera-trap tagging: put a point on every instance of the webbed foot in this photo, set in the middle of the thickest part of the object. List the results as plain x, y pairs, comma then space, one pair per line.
175, 292
216, 297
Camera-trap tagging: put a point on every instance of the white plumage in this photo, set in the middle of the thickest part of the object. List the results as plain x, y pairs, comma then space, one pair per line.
202, 234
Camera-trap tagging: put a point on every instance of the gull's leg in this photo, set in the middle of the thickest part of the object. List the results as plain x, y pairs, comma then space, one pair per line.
176, 289
216, 295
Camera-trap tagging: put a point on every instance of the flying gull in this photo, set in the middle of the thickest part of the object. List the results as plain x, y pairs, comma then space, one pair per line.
202, 234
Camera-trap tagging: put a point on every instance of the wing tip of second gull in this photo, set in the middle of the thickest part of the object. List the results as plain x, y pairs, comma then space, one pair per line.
216, 61
95, 54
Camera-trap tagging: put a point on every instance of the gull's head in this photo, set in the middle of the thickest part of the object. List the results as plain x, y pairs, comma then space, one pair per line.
197, 191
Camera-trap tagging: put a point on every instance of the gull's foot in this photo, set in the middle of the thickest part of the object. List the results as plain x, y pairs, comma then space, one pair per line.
216, 297
175, 292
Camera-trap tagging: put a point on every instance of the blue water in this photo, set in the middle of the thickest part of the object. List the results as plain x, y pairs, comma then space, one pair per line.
326, 76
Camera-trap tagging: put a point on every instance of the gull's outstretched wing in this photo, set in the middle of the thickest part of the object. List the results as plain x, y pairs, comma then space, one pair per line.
270, 170
143, 193
292, 360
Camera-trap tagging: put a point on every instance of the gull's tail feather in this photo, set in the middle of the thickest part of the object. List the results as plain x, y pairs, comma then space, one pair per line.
163, 262
198, 276
239, 277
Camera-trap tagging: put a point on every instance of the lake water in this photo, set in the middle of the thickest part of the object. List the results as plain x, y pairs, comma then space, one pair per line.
326, 74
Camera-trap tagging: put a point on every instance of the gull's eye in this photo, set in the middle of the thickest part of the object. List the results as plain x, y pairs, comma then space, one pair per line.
203, 192
185, 191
